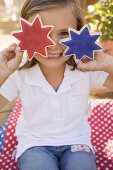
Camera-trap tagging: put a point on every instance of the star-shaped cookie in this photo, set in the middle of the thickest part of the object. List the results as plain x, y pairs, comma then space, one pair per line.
34, 37
81, 43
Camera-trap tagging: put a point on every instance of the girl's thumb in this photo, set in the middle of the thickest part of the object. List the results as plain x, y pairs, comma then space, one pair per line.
18, 49
18, 55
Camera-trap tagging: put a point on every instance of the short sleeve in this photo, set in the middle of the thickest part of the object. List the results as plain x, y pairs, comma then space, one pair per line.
9, 89
97, 78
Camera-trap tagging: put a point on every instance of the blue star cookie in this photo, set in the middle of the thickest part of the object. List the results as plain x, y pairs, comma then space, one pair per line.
81, 43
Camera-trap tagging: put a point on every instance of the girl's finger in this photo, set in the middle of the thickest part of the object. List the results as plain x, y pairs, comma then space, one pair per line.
89, 66
77, 61
18, 55
14, 63
7, 51
98, 54
13, 44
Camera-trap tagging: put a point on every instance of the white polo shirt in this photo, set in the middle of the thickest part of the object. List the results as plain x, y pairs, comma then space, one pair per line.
51, 118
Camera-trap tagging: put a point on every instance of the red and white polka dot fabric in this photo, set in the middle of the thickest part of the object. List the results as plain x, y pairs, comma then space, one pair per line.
109, 149
7, 162
101, 121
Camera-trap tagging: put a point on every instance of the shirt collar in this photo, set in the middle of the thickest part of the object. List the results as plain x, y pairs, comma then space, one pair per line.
34, 76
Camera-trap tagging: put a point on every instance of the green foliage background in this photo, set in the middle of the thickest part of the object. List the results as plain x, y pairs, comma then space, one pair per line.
102, 18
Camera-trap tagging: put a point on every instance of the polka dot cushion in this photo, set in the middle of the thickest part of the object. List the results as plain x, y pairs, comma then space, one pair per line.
7, 161
109, 149
101, 121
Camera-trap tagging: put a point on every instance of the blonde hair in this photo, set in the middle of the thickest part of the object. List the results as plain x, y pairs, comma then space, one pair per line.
31, 7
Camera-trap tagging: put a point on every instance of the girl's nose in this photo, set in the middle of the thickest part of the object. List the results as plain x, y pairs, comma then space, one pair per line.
56, 39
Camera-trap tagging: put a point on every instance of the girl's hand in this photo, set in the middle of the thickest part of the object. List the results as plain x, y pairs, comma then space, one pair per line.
10, 59
102, 62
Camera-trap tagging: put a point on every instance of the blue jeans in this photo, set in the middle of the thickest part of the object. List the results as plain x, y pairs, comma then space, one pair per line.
56, 158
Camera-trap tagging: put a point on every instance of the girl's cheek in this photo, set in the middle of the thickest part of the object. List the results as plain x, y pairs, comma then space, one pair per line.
37, 56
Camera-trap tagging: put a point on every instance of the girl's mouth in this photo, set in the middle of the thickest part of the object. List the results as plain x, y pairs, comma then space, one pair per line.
54, 55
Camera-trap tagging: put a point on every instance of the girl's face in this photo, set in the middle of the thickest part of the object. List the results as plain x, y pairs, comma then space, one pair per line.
61, 19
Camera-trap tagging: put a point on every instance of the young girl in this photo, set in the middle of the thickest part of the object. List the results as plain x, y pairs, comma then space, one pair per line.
53, 132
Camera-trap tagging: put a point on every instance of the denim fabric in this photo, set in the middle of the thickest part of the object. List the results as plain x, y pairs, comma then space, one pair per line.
56, 158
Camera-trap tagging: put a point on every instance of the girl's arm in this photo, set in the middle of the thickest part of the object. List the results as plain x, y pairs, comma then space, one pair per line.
5, 109
10, 59
3, 101
109, 82
102, 62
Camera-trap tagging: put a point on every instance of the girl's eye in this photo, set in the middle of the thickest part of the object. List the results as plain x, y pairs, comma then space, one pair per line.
64, 33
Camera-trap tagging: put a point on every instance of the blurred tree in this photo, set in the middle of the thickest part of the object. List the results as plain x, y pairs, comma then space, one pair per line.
101, 17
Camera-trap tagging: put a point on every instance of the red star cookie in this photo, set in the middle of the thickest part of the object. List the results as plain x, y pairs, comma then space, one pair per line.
34, 37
